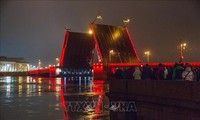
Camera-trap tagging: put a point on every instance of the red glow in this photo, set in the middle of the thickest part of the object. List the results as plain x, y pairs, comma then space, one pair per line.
97, 109
98, 68
38, 71
113, 70
51, 71
64, 49
63, 103
62, 99
132, 44
194, 64
99, 88
52, 83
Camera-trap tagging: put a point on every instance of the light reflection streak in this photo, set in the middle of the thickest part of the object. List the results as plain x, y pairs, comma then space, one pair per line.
20, 90
8, 90
27, 80
79, 83
8, 79
28, 89
39, 90
31, 86
8, 86
59, 86
64, 105
65, 84
85, 83
98, 88
20, 80
40, 80
58, 81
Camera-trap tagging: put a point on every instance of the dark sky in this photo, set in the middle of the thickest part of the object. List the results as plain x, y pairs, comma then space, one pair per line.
35, 29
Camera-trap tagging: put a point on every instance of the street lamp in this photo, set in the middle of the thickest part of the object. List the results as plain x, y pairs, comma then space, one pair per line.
57, 61
110, 55
90, 31
182, 47
126, 21
147, 53
39, 64
97, 17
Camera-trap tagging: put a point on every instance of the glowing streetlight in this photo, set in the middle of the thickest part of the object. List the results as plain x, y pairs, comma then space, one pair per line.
182, 47
147, 53
126, 21
39, 64
90, 31
57, 61
110, 55
97, 17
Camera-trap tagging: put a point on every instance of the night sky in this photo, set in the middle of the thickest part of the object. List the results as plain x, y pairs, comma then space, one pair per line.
35, 30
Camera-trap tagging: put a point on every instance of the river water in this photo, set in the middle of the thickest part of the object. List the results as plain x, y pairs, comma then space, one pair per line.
34, 98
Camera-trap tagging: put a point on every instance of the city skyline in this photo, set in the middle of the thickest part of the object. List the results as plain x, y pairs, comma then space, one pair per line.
35, 29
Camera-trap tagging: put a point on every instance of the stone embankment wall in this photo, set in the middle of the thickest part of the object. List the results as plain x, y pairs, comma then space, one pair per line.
158, 99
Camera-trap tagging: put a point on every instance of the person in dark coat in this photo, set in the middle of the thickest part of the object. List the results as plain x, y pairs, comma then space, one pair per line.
170, 72
177, 72
160, 72
130, 72
154, 73
118, 73
146, 72
124, 74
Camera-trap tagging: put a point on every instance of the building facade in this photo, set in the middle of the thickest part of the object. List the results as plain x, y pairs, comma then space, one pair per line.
10, 64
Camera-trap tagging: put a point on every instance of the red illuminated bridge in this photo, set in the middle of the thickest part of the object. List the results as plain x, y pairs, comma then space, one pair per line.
114, 47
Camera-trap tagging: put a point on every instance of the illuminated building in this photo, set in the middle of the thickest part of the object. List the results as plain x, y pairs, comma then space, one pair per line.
11, 64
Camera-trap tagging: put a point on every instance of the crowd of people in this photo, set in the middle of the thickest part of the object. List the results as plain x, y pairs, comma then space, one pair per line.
161, 72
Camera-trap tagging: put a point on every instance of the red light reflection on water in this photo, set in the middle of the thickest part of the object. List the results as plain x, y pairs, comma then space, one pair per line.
64, 105
98, 89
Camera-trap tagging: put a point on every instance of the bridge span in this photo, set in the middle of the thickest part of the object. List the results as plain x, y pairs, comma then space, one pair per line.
113, 44
45, 72
99, 70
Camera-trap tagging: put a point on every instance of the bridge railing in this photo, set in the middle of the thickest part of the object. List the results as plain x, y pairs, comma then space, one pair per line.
51, 72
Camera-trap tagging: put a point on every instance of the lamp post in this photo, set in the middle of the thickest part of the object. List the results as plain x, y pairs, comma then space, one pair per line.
147, 53
110, 55
39, 64
57, 61
181, 48
126, 21
97, 17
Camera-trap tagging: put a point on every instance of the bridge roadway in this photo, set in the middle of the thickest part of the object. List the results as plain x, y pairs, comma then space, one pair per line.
157, 99
100, 70
47, 72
